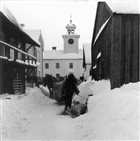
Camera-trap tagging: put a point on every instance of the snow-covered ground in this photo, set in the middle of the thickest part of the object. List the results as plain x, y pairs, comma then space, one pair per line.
112, 115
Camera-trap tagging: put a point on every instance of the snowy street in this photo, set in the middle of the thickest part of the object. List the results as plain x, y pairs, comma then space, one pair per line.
112, 115
84, 54
43, 122
48, 123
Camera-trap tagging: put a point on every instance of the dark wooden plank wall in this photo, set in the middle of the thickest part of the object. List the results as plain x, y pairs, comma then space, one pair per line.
136, 42
97, 48
94, 51
131, 48
116, 37
124, 50
119, 47
103, 45
105, 51
102, 15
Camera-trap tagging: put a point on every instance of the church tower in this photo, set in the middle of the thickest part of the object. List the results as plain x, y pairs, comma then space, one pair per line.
70, 39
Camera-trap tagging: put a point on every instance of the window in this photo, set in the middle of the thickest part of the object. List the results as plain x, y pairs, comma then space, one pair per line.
57, 65
12, 41
19, 56
57, 75
70, 65
46, 65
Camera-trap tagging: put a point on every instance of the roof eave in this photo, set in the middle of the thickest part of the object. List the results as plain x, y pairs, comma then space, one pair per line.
27, 37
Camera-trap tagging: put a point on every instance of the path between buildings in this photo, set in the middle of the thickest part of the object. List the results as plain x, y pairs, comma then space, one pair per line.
48, 123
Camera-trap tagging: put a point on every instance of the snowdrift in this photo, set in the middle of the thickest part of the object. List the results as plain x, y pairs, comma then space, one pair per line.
45, 90
112, 114
17, 111
85, 91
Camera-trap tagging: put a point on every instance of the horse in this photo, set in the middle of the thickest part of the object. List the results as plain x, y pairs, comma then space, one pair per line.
68, 89
52, 83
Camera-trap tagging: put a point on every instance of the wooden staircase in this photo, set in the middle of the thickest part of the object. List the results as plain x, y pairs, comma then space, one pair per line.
17, 82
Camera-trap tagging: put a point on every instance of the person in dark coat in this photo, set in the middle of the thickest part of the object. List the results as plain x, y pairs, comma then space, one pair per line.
69, 88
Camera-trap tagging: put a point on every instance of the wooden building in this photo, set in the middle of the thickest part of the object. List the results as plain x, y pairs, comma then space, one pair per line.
116, 38
16, 64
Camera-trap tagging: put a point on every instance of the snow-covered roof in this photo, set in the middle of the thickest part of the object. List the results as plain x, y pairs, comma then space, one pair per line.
101, 29
120, 8
94, 67
71, 25
99, 55
59, 54
36, 35
11, 18
125, 7
87, 52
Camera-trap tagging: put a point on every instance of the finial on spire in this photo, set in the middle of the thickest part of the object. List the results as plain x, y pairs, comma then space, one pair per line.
70, 17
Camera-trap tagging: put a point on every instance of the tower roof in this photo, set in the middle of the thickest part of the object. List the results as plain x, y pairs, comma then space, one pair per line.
70, 25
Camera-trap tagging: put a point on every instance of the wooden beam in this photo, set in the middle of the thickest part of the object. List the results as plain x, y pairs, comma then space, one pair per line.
15, 51
28, 48
14, 48
20, 47
28, 72
14, 43
23, 49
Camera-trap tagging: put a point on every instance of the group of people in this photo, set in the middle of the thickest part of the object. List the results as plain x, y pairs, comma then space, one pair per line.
68, 88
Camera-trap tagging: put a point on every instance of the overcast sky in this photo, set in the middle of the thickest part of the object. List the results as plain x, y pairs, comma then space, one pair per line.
51, 17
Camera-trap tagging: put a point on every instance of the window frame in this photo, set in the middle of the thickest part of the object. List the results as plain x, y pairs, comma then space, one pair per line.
71, 65
57, 65
46, 65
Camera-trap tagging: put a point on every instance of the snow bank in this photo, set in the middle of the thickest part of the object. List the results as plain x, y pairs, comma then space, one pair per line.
17, 111
112, 114
45, 90
85, 90
100, 86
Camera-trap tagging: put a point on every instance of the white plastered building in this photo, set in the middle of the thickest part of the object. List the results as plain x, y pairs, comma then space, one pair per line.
60, 62
87, 60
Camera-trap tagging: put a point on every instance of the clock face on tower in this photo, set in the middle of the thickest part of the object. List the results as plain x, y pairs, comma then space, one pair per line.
70, 41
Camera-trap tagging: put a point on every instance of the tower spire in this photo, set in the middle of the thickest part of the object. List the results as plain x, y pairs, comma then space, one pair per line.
70, 17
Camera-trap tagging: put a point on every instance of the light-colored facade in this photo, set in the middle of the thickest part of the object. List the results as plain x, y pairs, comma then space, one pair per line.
37, 36
66, 63
87, 60
60, 62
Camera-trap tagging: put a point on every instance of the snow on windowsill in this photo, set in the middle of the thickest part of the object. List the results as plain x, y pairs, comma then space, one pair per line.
3, 57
